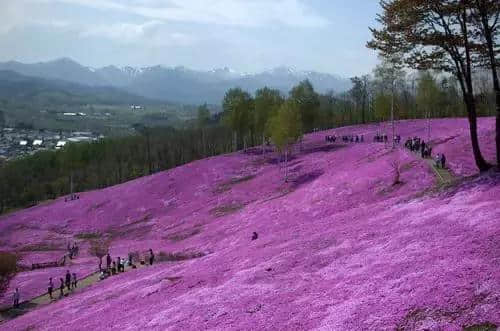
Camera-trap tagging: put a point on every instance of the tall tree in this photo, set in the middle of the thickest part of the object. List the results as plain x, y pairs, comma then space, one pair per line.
486, 16
308, 101
267, 103
238, 111
203, 116
359, 92
428, 95
286, 129
433, 34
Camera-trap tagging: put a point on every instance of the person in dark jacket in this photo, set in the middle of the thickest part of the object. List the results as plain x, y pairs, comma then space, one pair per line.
50, 288
151, 257
61, 288
108, 261
68, 280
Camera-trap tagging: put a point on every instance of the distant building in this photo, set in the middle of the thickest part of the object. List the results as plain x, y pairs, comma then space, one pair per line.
37, 142
23, 143
82, 133
79, 139
134, 107
60, 144
70, 114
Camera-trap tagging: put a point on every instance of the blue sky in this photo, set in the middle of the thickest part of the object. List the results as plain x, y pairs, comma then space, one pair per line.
245, 35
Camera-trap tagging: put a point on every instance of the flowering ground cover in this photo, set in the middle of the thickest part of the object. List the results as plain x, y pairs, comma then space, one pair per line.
339, 246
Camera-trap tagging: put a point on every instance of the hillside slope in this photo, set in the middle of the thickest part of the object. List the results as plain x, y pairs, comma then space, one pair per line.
339, 247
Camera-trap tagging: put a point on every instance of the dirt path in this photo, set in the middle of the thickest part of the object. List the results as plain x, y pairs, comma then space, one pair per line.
44, 299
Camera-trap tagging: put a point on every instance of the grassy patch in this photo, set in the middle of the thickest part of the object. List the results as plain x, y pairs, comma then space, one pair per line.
88, 235
481, 327
182, 235
96, 206
179, 256
226, 209
42, 247
226, 186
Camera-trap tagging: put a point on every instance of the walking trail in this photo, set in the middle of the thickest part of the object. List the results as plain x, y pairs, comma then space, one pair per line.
44, 299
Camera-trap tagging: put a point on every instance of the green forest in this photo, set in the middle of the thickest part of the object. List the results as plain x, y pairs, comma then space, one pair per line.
247, 120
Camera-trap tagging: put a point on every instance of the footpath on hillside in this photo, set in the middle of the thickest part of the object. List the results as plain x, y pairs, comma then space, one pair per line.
44, 299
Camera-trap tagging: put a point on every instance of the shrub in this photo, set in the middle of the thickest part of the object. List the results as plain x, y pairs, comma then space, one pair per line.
180, 256
99, 248
88, 235
8, 267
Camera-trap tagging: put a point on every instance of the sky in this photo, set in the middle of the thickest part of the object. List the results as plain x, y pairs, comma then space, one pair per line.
244, 35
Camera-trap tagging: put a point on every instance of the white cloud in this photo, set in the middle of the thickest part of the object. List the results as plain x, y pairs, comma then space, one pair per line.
151, 33
125, 32
249, 13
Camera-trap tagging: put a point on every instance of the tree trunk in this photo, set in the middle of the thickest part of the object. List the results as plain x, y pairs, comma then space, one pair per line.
488, 35
480, 161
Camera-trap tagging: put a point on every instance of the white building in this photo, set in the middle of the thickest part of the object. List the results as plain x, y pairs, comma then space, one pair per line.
23, 143
60, 144
37, 142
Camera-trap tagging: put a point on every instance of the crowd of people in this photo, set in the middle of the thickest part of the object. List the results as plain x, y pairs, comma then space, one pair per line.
70, 281
73, 250
418, 145
380, 138
72, 197
115, 267
330, 139
346, 138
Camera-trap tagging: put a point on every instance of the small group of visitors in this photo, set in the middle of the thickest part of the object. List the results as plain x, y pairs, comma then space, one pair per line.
353, 138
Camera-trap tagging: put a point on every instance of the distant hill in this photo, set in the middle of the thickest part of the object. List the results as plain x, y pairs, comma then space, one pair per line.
177, 84
23, 89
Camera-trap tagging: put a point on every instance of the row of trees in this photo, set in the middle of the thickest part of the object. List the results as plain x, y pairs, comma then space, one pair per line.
454, 36
49, 174
254, 119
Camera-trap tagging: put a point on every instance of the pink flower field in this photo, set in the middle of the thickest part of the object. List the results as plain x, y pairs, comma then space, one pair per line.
339, 246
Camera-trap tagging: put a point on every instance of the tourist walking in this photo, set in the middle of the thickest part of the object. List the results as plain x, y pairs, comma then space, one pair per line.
68, 280
151, 257
16, 298
50, 288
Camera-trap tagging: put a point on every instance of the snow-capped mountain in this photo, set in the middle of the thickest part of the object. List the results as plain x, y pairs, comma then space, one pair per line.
177, 84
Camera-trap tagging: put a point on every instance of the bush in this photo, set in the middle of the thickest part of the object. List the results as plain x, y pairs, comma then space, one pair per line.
8, 267
166, 257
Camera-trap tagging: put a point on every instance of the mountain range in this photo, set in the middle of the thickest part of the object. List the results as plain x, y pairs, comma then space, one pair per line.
176, 84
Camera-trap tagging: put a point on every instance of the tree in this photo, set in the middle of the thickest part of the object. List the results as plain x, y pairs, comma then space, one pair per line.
308, 102
237, 107
432, 34
428, 95
359, 91
286, 129
203, 116
388, 74
99, 248
486, 17
267, 103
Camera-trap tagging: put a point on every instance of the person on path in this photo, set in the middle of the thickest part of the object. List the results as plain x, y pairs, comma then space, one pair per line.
61, 288
50, 288
16, 298
68, 280
151, 257
75, 281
